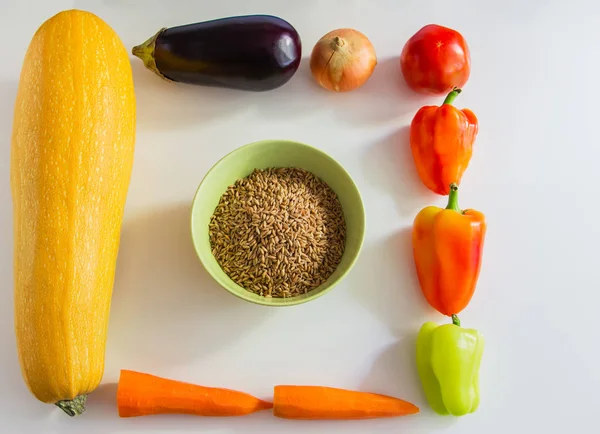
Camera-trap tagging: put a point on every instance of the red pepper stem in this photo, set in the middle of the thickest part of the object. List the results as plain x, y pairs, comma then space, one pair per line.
453, 199
455, 320
452, 96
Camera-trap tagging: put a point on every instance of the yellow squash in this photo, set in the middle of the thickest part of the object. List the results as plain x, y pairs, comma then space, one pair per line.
71, 162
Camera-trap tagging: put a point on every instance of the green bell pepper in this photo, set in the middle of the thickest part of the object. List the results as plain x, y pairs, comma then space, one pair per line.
448, 360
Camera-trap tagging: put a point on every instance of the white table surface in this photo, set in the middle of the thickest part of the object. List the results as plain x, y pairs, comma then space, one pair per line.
534, 173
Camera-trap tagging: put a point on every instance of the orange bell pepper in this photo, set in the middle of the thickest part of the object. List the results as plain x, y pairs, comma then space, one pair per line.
441, 141
447, 249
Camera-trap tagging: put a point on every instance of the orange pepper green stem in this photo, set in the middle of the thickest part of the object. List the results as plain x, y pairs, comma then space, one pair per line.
441, 142
447, 249
452, 96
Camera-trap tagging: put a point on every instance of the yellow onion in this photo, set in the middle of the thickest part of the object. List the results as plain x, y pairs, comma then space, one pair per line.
343, 60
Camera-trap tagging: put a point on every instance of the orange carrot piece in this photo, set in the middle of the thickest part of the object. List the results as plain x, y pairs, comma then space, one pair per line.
326, 403
140, 394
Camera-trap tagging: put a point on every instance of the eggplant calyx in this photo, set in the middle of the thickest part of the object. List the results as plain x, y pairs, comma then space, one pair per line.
145, 52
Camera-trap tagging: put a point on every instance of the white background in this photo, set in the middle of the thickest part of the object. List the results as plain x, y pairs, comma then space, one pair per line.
534, 173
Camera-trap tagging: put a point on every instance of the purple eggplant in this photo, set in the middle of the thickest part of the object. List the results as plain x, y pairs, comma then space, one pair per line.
254, 52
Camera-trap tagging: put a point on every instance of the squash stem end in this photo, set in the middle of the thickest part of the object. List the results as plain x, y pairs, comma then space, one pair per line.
73, 407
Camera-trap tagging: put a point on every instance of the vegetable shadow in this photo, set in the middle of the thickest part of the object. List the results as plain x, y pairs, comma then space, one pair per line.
395, 373
165, 105
384, 97
389, 166
101, 404
386, 284
8, 359
166, 309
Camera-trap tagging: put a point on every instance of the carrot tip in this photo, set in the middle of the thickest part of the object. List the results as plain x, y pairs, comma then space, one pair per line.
326, 403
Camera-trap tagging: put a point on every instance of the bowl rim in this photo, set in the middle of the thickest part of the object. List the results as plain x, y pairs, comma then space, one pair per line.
296, 300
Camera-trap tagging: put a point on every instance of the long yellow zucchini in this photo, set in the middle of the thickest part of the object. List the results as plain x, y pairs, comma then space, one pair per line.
71, 162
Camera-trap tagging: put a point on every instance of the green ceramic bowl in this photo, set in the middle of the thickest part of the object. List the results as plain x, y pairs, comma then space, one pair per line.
262, 155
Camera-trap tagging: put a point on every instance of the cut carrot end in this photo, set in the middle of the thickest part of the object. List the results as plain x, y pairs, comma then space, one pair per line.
140, 394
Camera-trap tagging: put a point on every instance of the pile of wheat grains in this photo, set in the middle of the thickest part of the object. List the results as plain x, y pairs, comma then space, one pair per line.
280, 232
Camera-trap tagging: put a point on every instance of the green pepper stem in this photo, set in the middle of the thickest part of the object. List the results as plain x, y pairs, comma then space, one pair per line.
452, 96
453, 199
455, 320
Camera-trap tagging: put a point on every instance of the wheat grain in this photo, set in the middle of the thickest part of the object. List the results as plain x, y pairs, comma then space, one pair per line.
280, 232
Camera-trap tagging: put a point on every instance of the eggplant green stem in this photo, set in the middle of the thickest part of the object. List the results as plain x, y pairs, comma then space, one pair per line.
145, 52
453, 199
73, 407
452, 95
455, 320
